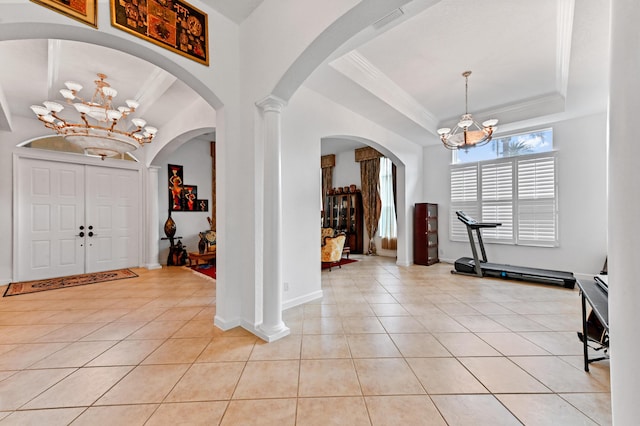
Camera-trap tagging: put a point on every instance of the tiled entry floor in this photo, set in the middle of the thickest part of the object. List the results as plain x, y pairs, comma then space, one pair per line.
386, 345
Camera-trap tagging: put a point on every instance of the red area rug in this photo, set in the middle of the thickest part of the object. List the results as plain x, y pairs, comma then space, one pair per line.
25, 287
208, 270
325, 265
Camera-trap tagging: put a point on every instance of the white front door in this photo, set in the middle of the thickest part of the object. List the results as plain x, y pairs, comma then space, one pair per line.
73, 219
50, 211
113, 218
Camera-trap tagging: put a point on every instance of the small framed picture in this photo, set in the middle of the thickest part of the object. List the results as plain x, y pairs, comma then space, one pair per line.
85, 11
202, 205
190, 197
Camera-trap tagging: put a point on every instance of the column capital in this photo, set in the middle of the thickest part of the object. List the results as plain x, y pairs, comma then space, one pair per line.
272, 103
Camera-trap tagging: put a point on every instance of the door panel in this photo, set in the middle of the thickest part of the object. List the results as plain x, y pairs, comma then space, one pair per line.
50, 209
113, 206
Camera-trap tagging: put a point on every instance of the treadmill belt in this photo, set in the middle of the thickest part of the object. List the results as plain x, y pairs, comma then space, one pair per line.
534, 272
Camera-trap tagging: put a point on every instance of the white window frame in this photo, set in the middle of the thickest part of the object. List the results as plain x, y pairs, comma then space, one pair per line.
510, 204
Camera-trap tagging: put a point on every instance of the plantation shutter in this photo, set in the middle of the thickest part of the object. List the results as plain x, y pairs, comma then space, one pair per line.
497, 200
464, 196
537, 213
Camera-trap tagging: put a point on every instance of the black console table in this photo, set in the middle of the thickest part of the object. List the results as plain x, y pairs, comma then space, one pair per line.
598, 299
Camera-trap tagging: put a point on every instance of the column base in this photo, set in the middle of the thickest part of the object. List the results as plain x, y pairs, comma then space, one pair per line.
273, 333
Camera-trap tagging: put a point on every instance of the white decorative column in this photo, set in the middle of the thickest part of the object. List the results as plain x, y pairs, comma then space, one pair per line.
624, 211
272, 327
152, 219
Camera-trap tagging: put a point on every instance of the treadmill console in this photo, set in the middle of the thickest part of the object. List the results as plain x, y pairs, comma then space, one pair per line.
463, 217
474, 224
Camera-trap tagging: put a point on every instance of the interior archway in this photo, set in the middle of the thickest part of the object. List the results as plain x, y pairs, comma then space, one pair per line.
404, 239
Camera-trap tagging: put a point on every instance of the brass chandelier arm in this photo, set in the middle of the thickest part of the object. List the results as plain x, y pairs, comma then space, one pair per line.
82, 129
103, 138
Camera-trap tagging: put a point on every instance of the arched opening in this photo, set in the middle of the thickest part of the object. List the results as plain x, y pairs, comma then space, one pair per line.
109, 54
344, 146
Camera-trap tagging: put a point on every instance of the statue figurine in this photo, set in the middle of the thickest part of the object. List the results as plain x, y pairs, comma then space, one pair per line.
202, 244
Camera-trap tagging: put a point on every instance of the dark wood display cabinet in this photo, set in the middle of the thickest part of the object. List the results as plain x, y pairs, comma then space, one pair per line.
425, 234
343, 213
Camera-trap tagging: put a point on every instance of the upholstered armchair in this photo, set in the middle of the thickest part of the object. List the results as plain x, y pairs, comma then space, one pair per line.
332, 249
326, 232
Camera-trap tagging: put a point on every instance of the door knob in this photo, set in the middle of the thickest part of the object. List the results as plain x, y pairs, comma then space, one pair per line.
91, 234
81, 227
90, 227
81, 234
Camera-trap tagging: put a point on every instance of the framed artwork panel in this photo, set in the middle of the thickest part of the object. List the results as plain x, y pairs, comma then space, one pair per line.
190, 197
173, 24
176, 188
85, 11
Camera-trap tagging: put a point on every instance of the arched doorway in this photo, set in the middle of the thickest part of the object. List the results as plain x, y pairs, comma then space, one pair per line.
348, 143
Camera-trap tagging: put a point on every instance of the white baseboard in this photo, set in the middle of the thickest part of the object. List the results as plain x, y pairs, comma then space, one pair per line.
225, 325
287, 304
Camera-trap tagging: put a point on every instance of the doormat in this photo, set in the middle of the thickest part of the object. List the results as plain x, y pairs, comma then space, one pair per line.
35, 286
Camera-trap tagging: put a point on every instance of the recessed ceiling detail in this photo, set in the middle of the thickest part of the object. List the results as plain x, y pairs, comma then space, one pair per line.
361, 71
533, 62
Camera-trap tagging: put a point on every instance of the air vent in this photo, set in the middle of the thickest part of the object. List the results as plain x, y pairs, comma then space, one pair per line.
395, 14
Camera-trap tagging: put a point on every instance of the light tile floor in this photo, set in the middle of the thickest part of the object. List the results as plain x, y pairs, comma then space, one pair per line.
386, 345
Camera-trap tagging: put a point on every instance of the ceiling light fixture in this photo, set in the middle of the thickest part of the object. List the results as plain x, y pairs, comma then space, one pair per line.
468, 132
107, 135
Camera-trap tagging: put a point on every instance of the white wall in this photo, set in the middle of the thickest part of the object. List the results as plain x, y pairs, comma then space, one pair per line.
581, 146
346, 171
624, 210
195, 157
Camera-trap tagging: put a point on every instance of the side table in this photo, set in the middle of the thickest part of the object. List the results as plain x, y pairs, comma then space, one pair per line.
197, 257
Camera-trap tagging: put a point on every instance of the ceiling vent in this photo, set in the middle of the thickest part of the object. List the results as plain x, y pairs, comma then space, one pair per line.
395, 14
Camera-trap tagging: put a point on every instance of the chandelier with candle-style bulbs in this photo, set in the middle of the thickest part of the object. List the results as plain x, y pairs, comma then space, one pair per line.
468, 132
102, 129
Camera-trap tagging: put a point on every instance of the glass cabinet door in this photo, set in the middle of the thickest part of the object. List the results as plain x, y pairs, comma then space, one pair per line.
352, 213
432, 224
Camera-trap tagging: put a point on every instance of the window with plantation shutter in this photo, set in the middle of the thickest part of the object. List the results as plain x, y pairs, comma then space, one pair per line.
497, 200
537, 217
464, 196
519, 192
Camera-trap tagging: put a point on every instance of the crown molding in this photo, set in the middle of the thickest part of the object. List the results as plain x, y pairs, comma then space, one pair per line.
358, 69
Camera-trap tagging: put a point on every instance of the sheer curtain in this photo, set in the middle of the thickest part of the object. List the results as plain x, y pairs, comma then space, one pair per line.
387, 226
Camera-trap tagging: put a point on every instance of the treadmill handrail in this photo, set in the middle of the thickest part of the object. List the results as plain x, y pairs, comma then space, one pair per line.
473, 224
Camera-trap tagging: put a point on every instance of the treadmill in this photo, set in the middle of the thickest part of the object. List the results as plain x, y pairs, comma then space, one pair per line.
483, 268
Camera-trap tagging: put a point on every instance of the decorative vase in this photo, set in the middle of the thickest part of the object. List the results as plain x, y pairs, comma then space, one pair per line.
202, 244
170, 227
